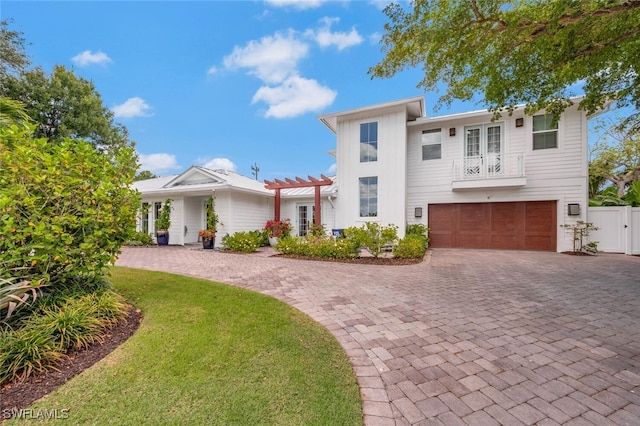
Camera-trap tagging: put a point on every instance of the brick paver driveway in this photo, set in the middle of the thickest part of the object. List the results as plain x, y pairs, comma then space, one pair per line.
468, 336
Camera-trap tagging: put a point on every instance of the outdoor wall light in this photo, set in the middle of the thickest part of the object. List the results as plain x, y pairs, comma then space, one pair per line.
573, 209
418, 212
519, 122
452, 131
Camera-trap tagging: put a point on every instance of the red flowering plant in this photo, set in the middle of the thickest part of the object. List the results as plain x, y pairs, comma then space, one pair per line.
278, 228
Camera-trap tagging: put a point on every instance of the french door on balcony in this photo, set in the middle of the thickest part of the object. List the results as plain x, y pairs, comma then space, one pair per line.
483, 150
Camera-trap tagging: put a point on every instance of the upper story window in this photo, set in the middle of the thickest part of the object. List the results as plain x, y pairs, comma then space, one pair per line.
368, 142
431, 144
545, 135
368, 187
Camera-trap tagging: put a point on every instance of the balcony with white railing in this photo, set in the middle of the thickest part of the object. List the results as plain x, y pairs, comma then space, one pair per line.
489, 171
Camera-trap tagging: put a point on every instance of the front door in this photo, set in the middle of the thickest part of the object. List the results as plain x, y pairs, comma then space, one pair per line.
483, 150
305, 218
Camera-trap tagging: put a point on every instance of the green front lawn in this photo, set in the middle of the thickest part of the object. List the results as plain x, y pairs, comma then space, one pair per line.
208, 353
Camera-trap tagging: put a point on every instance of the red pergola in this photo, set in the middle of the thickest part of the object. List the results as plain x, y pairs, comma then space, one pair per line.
278, 184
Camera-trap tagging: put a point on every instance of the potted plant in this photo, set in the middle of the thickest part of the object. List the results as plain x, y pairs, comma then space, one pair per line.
277, 228
208, 235
163, 223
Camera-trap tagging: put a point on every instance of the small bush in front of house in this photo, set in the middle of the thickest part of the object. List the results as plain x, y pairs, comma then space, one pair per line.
261, 236
140, 239
245, 242
412, 246
417, 229
323, 247
372, 236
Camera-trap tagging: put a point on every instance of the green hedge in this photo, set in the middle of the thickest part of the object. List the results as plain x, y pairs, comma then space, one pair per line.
66, 208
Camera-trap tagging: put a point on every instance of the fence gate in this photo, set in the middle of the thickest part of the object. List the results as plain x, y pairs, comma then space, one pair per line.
619, 229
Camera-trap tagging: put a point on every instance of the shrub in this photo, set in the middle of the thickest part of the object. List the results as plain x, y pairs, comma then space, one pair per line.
66, 207
417, 229
246, 242
278, 228
69, 319
261, 237
140, 239
580, 231
163, 223
25, 351
412, 246
16, 292
372, 236
318, 246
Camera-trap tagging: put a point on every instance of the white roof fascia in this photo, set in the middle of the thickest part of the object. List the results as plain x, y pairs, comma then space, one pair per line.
417, 110
476, 113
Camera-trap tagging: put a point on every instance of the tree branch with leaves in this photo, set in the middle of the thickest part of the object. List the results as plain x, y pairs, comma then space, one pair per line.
519, 52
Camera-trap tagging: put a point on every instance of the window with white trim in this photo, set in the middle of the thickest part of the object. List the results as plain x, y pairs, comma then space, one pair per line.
368, 187
432, 144
368, 142
545, 132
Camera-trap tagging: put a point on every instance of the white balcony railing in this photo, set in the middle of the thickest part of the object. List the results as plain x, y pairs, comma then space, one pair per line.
489, 166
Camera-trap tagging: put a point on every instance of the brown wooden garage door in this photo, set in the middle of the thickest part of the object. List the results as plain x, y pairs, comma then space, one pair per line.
527, 225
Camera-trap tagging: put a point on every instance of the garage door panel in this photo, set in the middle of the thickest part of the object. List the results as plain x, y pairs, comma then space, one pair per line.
504, 242
523, 225
442, 234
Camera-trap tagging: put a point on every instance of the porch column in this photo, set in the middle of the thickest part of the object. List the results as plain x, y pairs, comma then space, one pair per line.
316, 217
276, 207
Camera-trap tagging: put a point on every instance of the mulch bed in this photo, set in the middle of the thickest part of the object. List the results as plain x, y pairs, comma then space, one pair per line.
21, 394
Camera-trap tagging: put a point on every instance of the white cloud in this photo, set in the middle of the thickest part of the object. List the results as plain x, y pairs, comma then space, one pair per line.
295, 96
132, 107
212, 70
87, 58
325, 38
381, 4
272, 59
298, 4
217, 164
332, 169
158, 163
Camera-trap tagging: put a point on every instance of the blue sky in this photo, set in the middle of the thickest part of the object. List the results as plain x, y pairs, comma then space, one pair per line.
224, 84
219, 83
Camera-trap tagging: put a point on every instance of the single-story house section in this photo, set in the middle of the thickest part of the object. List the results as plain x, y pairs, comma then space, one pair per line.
242, 204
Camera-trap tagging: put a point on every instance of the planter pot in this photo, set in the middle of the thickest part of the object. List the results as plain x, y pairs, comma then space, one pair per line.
162, 237
208, 243
273, 241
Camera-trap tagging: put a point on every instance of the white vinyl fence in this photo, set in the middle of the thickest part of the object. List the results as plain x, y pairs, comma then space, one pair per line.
619, 229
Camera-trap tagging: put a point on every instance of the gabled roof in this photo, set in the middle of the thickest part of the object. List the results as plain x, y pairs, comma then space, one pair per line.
197, 178
414, 107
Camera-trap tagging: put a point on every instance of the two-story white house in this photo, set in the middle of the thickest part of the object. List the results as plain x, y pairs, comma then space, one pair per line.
476, 183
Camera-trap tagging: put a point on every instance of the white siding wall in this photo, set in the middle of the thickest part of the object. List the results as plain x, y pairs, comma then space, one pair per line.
390, 170
241, 212
552, 174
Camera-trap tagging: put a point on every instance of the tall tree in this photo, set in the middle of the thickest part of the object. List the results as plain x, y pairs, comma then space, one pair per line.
519, 51
13, 57
616, 158
65, 106
144, 174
